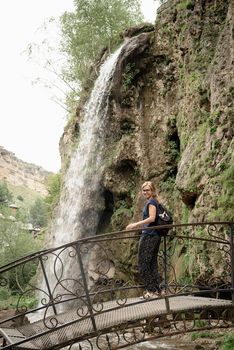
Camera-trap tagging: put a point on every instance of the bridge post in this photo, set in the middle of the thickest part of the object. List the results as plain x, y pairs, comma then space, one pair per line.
165, 261
47, 284
231, 238
86, 288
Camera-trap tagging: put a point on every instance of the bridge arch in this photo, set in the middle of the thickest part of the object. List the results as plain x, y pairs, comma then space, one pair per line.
94, 309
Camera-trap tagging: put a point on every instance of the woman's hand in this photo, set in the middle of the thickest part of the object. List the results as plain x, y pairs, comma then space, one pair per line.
131, 226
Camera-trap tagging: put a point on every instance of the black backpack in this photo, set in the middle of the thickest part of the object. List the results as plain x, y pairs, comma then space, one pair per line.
164, 217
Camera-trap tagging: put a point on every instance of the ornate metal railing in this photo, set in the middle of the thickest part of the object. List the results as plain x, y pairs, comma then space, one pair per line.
97, 276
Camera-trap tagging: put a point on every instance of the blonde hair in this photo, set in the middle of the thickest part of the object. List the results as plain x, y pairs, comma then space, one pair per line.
152, 188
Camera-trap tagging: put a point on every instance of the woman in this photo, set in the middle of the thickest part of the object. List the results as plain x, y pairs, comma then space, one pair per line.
149, 243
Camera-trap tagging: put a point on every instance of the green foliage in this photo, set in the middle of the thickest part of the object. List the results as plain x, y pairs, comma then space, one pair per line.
226, 200
122, 214
53, 188
185, 214
11, 302
208, 334
38, 214
154, 127
129, 74
168, 185
93, 25
4, 293
16, 242
29, 196
5, 195
127, 127
185, 4
228, 343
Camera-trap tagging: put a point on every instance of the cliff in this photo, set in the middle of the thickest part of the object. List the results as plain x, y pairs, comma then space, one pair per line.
18, 173
171, 118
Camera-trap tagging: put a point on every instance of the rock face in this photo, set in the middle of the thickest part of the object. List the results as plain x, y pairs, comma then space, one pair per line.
18, 173
171, 117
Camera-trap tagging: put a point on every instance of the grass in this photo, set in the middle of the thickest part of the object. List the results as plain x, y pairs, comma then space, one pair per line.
12, 302
226, 340
208, 334
28, 195
228, 343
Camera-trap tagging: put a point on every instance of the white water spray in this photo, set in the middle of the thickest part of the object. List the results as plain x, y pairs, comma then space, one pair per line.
79, 208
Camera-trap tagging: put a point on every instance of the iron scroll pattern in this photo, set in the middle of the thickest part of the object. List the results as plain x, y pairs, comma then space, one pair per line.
197, 243
83, 277
134, 332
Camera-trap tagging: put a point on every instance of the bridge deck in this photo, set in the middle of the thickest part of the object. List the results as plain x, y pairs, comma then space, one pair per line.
112, 314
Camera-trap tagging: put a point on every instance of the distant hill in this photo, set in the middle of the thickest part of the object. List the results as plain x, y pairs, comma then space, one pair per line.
23, 179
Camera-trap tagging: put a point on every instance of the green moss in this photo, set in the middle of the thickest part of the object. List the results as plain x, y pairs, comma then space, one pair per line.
185, 214
154, 127
129, 74
127, 127
225, 200
183, 275
228, 343
217, 144
231, 91
208, 334
213, 129
185, 5
168, 185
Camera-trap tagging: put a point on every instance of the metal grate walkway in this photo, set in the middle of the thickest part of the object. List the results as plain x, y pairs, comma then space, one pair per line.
111, 315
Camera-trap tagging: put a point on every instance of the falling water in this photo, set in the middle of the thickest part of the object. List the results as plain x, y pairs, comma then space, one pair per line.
78, 209
81, 199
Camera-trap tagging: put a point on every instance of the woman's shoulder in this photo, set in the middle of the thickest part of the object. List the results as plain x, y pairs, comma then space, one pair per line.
152, 201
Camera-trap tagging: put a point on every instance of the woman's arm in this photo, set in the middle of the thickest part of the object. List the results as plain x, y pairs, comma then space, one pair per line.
151, 218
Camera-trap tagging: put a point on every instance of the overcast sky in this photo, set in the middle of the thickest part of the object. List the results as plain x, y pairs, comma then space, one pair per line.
31, 123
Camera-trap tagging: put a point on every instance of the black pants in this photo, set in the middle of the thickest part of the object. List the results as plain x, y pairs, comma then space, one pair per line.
148, 261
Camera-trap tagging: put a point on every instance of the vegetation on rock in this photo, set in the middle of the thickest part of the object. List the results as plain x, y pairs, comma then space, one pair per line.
93, 26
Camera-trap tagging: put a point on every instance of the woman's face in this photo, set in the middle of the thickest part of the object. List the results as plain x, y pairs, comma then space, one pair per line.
147, 193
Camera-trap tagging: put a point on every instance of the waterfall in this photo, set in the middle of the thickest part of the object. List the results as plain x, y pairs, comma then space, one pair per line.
81, 199
78, 209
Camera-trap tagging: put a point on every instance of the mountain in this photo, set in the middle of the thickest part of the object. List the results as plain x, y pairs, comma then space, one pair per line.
23, 179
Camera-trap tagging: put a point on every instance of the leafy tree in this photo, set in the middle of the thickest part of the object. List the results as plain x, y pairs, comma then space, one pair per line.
16, 242
22, 215
93, 25
53, 188
5, 194
38, 213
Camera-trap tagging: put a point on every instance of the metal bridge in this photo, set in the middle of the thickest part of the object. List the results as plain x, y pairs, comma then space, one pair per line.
89, 297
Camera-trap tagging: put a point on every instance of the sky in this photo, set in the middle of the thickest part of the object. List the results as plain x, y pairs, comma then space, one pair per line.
31, 122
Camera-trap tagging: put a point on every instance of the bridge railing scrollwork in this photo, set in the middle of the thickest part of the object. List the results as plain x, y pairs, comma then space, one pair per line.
88, 282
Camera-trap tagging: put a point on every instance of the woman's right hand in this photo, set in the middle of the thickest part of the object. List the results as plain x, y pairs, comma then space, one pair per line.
131, 226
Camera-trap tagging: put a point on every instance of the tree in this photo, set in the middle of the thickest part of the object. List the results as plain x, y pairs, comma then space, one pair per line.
93, 25
38, 213
5, 194
53, 188
16, 243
